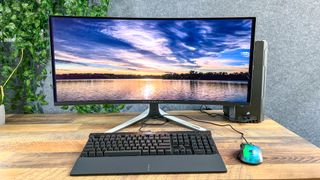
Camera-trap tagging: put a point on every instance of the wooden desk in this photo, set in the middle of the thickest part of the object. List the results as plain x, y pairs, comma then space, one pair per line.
46, 146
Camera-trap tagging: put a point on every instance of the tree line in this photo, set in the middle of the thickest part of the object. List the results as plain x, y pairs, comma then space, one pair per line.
192, 75
104, 76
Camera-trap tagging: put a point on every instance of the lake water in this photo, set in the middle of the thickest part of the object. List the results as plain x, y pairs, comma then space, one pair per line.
150, 89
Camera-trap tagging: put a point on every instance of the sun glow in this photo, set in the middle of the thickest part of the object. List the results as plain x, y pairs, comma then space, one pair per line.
148, 90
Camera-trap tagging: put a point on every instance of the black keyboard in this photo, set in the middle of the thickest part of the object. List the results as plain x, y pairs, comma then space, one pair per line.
130, 144
149, 153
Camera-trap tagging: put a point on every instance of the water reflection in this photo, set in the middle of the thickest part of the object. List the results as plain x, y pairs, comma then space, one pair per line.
150, 89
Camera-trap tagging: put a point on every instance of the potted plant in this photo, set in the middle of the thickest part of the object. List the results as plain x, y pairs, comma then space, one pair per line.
2, 96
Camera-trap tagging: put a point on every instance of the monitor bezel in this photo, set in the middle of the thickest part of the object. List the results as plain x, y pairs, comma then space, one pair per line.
225, 103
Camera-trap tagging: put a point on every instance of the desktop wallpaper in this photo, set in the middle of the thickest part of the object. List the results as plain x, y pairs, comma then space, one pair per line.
165, 59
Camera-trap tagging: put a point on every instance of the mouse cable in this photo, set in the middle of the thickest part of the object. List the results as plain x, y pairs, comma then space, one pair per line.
202, 110
144, 124
215, 124
211, 114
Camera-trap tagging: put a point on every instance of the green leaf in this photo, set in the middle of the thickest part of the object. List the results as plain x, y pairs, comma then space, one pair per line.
121, 106
7, 10
7, 68
28, 82
28, 108
37, 23
15, 6
65, 107
13, 18
44, 103
24, 5
26, 73
41, 97
11, 26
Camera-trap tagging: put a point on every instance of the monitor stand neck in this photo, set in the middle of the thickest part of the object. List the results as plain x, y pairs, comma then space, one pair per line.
154, 112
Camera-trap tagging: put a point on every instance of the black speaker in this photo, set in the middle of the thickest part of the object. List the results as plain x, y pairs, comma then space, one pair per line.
254, 112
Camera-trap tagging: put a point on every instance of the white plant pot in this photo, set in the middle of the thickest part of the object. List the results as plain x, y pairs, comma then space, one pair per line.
2, 115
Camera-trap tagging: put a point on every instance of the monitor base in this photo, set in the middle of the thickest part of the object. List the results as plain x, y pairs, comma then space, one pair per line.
154, 111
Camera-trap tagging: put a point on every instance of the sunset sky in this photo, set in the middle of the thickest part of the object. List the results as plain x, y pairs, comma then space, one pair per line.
150, 47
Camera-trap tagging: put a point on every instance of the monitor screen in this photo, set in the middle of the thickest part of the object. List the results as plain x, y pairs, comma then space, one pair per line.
134, 60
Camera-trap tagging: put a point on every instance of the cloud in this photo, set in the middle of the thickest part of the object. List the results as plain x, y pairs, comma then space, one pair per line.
140, 36
211, 64
149, 64
245, 54
178, 33
188, 47
152, 46
207, 53
59, 61
132, 69
63, 57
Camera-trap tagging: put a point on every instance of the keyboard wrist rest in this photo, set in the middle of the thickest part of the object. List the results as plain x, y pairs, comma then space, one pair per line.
148, 164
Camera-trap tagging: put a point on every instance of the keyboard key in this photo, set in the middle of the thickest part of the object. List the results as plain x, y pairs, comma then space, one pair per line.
145, 152
153, 152
84, 154
92, 154
163, 147
188, 151
160, 151
199, 151
99, 153
175, 142
176, 151
122, 153
167, 151
164, 144
182, 151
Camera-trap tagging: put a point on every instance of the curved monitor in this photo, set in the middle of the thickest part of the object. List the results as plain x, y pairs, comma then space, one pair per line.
158, 60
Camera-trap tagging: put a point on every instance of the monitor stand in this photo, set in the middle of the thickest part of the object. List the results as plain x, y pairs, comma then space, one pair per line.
154, 111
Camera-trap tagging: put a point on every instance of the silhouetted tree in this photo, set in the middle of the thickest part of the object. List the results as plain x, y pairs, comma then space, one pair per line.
192, 75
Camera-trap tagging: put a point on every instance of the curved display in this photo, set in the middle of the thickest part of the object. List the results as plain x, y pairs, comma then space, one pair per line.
139, 60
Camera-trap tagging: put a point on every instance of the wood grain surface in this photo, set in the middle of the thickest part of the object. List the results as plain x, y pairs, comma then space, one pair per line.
45, 146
